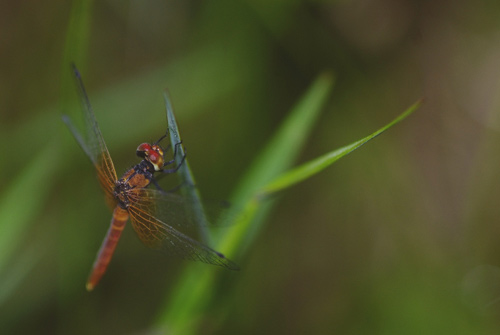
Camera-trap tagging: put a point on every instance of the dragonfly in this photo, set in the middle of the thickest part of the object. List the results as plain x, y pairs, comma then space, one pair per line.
151, 211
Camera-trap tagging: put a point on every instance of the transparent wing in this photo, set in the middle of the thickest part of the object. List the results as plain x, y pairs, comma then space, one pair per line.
93, 143
162, 236
179, 210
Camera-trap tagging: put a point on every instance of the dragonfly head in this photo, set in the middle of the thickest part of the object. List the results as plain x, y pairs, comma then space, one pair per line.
151, 153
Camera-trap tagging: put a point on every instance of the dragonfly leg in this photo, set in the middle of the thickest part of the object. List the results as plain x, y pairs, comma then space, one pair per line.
161, 139
167, 148
175, 154
173, 170
158, 187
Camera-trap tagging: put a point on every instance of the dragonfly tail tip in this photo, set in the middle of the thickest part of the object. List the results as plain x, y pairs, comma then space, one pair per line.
89, 287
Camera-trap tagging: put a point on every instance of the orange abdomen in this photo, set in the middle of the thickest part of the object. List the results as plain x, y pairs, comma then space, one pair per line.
120, 217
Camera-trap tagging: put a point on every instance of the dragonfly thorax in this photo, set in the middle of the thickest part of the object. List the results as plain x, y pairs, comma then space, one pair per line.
153, 154
136, 178
121, 193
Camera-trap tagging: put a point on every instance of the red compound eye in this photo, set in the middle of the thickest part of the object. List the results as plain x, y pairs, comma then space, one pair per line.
143, 150
145, 147
153, 157
152, 154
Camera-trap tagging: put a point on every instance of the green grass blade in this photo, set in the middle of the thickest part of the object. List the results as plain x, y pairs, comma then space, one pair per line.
75, 47
284, 148
278, 156
19, 270
195, 289
77, 33
309, 169
19, 210
188, 188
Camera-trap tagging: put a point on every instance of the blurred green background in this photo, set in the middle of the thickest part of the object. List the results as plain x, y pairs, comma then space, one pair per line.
401, 237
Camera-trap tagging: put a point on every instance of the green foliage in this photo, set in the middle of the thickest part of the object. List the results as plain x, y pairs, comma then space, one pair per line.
194, 292
195, 287
384, 243
19, 213
309, 169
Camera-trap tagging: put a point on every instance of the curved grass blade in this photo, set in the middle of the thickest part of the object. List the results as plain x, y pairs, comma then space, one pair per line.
190, 191
75, 46
19, 270
17, 210
277, 157
197, 285
309, 169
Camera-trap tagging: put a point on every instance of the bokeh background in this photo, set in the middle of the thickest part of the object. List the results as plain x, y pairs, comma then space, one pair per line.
400, 237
